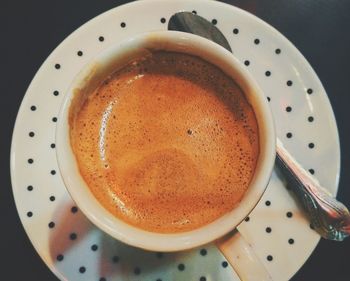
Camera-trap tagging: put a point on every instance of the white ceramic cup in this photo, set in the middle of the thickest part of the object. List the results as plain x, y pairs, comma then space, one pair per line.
117, 56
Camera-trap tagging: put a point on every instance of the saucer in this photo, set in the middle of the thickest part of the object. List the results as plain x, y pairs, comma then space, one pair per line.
74, 249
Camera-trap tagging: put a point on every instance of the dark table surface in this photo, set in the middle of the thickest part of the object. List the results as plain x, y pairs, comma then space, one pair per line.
30, 30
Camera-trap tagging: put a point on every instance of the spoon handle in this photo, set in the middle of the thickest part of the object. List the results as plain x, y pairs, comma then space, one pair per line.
329, 217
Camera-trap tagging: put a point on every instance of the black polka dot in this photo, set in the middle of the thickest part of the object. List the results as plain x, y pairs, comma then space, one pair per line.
289, 83
268, 99
278, 51
101, 38
53, 172
309, 91
51, 224
247, 219
256, 41
82, 269
291, 241
79, 53
31, 134
267, 203
311, 171
60, 257
159, 279
224, 264
123, 25
163, 20
54, 119
73, 236
268, 73
202, 278
74, 209
94, 247
57, 66
214, 21
30, 187
30, 161
52, 145
52, 198
115, 259
269, 258
288, 109
194, 12
137, 271
268, 229
159, 255
29, 214
56, 93
289, 135
103, 279
203, 252
235, 31
247, 62
310, 119
181, 267
311, 145
289, 214
33, 108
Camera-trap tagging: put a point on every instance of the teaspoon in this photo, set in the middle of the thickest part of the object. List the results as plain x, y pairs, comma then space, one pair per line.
329, 217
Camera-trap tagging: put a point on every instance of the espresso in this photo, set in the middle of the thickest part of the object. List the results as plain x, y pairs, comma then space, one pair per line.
168, 143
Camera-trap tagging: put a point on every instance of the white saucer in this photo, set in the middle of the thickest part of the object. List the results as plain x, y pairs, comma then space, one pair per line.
76, 250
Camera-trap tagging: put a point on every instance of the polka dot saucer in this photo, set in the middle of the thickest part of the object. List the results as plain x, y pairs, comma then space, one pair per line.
74, 249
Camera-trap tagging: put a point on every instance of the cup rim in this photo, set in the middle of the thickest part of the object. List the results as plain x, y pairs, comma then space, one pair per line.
132, 235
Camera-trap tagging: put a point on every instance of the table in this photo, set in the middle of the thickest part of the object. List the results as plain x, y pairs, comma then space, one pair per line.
33, 29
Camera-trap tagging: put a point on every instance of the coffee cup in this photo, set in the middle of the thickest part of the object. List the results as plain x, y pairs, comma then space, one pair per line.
114, 58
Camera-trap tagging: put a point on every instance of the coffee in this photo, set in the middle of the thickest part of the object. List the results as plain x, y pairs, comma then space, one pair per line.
168, 143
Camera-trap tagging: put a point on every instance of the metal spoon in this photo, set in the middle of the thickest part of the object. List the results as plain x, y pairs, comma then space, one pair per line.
329, 217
